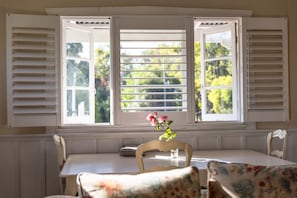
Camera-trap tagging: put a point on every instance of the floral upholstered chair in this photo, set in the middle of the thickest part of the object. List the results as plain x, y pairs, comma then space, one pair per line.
182, 183
246, 180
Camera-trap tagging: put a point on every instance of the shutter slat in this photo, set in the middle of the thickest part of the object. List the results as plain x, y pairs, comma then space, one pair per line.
33, 63
160, 100
153, 93
34, 71
153, 108
33, 55
152, 56
34, 79
34, 103
35, 95
31, 87
153, 86
33, 30
32, 47
36, 112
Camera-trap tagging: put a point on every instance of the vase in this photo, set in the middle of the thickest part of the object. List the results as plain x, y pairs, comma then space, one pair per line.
174, 153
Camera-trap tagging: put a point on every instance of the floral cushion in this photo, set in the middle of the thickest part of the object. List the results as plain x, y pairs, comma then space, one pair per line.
180, 183
246, 180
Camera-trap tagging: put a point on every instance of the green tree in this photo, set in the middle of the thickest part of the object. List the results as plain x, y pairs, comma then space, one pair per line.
218, 73
102, 79
197, 72
159, 71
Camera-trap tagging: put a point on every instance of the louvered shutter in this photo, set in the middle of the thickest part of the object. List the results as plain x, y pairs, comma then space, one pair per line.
32, 60
266, 68
152, 67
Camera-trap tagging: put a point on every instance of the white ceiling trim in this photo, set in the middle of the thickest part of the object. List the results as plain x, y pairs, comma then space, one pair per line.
147, 10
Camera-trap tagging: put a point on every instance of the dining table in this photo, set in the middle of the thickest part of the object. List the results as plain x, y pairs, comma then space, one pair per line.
114, 163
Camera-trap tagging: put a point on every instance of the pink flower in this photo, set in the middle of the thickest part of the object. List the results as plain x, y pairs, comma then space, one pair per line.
162, 118
162, 123
149, 117
152, 119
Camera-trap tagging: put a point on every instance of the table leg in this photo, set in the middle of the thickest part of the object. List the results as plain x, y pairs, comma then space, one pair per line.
71, 186
203, 178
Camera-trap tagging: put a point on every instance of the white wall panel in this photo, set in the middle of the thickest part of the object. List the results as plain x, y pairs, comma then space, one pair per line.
208, 142
231, 142
256, 142
9, 169
107, 145
32, 173
51, 169
82, 145
190, 140
132, 140
29, 166
292, 147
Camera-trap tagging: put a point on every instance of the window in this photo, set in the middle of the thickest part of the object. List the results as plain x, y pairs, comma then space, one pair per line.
216, 81
153, 70
152, 67
86, 70
117, 69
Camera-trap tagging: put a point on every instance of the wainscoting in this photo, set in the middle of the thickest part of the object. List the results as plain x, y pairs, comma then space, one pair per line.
29, 169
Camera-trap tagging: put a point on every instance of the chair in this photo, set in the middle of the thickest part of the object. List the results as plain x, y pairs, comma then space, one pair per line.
156, 145
182, 182
60, 196
247, 180
61, 149
274, 137
61, 156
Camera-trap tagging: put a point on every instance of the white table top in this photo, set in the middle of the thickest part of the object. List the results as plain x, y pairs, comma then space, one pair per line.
114, 163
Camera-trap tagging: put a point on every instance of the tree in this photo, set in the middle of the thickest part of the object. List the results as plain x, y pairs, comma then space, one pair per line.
218, 74
157, 70
102, 79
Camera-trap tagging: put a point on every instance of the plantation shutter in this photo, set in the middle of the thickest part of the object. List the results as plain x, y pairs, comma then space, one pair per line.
32, 65
152, 68
141, 88
266, 68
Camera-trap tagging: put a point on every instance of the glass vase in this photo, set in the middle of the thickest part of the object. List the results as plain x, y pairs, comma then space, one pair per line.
174, 153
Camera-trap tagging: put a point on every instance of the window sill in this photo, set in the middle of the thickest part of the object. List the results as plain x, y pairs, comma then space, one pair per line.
214, 126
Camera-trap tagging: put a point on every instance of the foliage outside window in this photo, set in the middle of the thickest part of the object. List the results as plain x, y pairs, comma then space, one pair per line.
153, 72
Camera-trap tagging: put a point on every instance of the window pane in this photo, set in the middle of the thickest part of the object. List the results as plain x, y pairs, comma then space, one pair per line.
77, 73
218, 44
214, 67
78, 43
102, 79
217, 72
78, 103
87, 71
219, 101
153, 70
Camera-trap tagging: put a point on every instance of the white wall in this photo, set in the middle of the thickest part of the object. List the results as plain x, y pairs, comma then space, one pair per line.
29, 169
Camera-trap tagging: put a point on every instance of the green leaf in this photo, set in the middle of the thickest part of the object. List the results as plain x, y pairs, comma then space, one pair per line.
168, 130
160, 137
158, 127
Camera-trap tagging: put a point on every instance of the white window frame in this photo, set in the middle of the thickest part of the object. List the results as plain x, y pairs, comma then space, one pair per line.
143, 22
28, 120
77, 119
236, 81
87, 119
